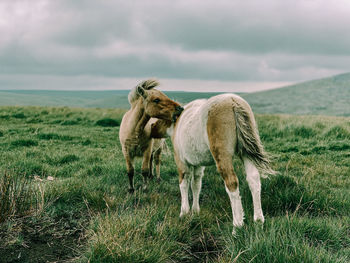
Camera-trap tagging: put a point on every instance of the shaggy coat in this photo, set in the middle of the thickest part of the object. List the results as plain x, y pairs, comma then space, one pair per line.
211, 132
147, 106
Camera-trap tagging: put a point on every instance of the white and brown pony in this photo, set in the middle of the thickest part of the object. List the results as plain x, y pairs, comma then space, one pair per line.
147, 104
211, 132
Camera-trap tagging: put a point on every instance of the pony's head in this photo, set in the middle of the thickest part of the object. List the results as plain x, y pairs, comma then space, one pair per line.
156, 103
162, 129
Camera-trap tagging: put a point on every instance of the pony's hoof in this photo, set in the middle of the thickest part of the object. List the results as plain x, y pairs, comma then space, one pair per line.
159, 180
234, 233
195, 211
259, 219
131, 190
234, 230
183, 213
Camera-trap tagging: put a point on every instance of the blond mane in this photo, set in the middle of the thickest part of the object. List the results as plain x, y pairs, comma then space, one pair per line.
146, 84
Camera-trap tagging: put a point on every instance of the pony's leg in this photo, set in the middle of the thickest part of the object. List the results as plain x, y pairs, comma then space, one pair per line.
184, 185
225, 169
221, 135
196, 185
129, 168
157, 162
151, 166
185, 175
146, 164
253, 179
130, 171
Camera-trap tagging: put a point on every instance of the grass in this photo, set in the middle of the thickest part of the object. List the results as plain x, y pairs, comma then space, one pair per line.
17, 196
108, 122
71, 202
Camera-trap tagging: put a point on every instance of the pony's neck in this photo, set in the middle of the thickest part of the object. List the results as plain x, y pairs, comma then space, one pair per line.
141, 119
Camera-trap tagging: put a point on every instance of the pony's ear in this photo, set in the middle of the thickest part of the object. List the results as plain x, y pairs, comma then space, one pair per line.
141, 91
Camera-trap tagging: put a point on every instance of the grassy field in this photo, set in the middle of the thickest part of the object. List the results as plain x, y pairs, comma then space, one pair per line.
64, 195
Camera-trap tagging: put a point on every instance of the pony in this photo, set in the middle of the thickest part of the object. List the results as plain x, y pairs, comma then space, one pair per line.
147, 104
211, 132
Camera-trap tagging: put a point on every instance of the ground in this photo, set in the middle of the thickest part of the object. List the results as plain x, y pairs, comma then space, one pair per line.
64, 195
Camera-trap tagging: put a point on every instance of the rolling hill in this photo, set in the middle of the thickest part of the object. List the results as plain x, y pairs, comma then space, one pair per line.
328, 96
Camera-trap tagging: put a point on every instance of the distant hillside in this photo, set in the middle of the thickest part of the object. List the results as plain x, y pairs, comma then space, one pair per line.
121, 100
116, 98
329, 96
85, 99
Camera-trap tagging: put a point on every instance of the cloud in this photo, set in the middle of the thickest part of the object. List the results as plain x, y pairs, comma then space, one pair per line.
205, 40
312, 27
88, 82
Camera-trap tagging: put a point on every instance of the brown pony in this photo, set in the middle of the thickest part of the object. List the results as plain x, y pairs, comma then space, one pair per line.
147, 105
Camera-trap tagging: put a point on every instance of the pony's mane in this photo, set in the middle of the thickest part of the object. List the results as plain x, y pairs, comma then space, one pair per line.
146, 84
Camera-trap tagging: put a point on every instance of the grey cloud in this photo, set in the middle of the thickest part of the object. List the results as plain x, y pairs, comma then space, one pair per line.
221, 40
261, 28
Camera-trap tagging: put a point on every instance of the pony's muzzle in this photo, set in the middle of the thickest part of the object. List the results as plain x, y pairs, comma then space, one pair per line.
179, 109
177, 113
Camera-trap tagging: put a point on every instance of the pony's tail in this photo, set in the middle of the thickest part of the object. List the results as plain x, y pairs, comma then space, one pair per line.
248, 140
160, 145
146, 84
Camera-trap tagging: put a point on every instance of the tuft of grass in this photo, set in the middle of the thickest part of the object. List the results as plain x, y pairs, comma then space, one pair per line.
152, 235
303, 131
19, 115
318, 149
108, 122
48, 136
338, 132
284, 193
69, 158
286, 196
54, 136
69, 122
86, 142
24, 143
339, 147
290, 239
17, 197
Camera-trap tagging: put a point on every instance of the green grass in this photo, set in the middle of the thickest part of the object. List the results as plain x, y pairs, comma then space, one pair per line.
81, 210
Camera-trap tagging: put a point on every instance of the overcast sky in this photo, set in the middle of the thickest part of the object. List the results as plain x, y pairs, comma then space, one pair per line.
189, 45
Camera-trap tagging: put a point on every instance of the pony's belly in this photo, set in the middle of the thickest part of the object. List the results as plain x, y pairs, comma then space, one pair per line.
198, 158
194, 150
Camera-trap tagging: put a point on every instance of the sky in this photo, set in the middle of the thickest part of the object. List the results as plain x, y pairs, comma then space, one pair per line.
220, 45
